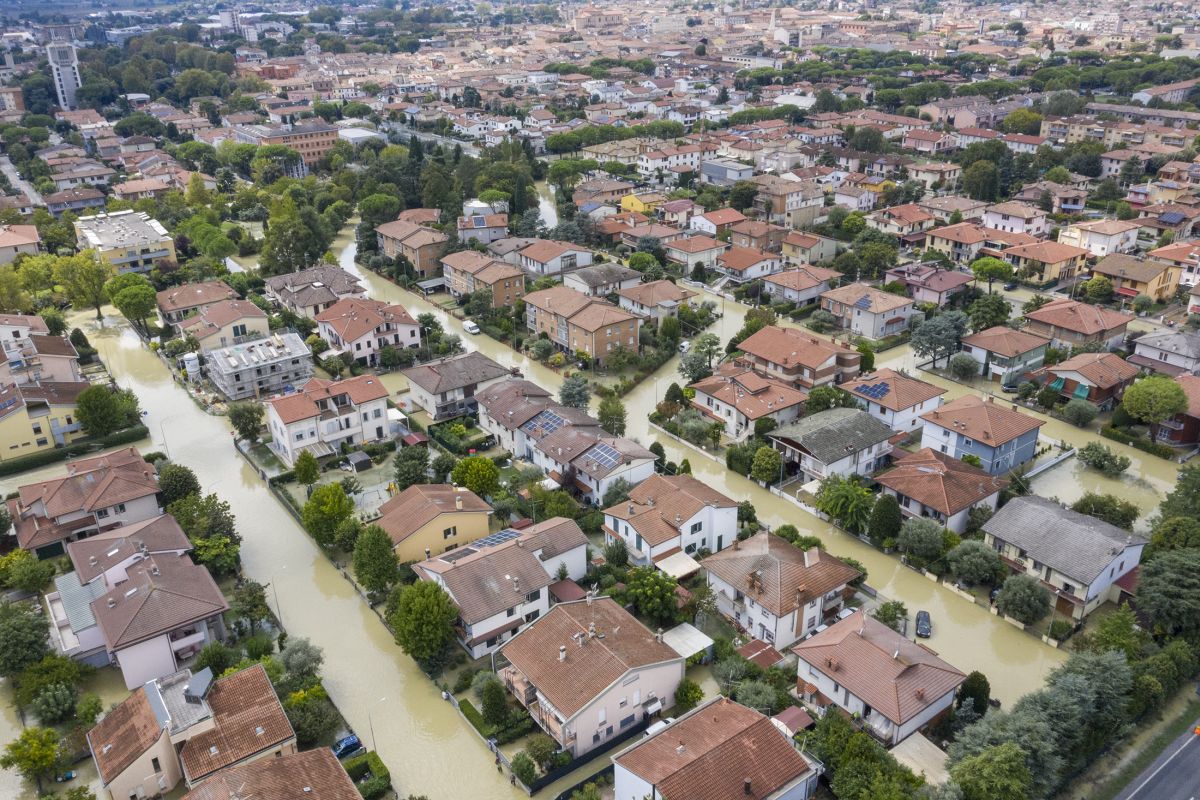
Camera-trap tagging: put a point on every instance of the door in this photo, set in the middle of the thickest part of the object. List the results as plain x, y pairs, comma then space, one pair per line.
720, 541
378, 431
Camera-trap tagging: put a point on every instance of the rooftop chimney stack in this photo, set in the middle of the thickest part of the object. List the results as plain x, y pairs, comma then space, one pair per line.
562, 652
457, 501
746, 788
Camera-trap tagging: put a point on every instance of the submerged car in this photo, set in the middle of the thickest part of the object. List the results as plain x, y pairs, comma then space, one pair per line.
347, 746
471, 327
924, 625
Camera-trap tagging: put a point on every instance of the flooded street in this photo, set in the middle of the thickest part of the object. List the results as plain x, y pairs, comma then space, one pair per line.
546, 205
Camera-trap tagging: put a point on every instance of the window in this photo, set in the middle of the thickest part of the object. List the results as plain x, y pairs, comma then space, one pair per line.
154, 765
603, 718
624, 702
533, 597
120, 508
512, 612
102, 513
451, 531
37, 427
697, 527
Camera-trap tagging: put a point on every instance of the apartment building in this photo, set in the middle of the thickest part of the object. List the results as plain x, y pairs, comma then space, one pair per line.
577, 323
259, 367
132, 241
323, 415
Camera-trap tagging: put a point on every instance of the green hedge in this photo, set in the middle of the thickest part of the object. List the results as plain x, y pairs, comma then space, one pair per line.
475, 718
1137, 442
379, 782
78, 448
518, 725
283, 477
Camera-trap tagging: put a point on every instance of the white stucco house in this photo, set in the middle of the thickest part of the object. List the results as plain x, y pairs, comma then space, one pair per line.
324, 414
668, 514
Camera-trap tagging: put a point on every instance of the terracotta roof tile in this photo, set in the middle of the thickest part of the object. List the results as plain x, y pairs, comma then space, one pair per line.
1080, 317
311, 775
406, 513
127, 731
982, 420
903, 392
789, 347
939, 481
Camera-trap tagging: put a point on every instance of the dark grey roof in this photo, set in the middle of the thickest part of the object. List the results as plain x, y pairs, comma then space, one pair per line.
1078, 546
324, 283
1181, 342
601, 274
834, 434
458, 372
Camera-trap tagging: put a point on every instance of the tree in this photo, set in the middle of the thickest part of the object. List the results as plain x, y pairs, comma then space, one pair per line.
575, 393
921, 539
250, 603
963, 366
423, 621
1169, 592
82, 277
973, 562
1079, 412
976, 689
939, 337
411, 467
477, 473
694, 366
133, 295
846, 502
885, 521
1023, 598
1099, 289
495, 704
22, 570
893, 613
247, 419
306, 469
327, 506
611, 414
36, 753
652, 593
1023, 120
758, 695
1153, 400
989, 311
767, 466
1174, 533
301, 661
1109, 508
1184, 499
204, 517
687, 696
175, 482
616, 553
375, 560
100, 410
981, 181
23, 639
998, 773
823, 398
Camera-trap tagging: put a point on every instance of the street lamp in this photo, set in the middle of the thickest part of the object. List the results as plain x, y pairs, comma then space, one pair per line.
371, 723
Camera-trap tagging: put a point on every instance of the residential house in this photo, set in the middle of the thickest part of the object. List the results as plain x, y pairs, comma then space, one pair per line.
743, 264
758, 235
1132, 276
867, 311
600, 280
1070, 323
96, 494
895, 399
485, 228
776, 592
1185, 255
656, 300
737, 397
695, 251
1099, 378
428, 519
259, 367
324, 415
839, 441
38, 358
1045, 263
928, 282
310, 291
929, 141
1079, 558
510, 411
643, 202
1183, 430
933, 485
577, 323
359, 328
714, 223
35, 417
893, 685
226, 322
1005, 355
188, 727
1001, 438
421, 246
945, 206
803, 285
546, 257
719, 749
132, 241
1064, 199
180, 302
724, 171
1016, 217
1102, 237
582, 458
313, 773
77, 199
500, 583
798, 357
18, 239
141, 189
901, 221
468, 271
794, 204
1168, 352
446, 388
588, 671
800, 249
670, 514
935, 176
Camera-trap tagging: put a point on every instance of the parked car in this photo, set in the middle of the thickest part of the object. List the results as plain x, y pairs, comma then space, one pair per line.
657, 726
846, 612
684, 346
924, 625
1010, 286
471, 327
347, 746
816, 630
1010, 388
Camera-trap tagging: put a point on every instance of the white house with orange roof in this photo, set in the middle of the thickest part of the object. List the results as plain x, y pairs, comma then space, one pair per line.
868, 311
358, 328
324, 414
737, 397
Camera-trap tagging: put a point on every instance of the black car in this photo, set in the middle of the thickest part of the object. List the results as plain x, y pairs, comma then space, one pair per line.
1010, 286
924, 626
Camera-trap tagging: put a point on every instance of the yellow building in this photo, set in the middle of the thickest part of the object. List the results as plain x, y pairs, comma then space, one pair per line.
38, 417
1132, 276
132, 241
427, 519
644, 203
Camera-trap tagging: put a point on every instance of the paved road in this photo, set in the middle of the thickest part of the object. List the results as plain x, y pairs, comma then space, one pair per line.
1174, 775
19, 183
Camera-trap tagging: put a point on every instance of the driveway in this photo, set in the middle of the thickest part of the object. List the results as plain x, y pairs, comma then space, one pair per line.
19, 183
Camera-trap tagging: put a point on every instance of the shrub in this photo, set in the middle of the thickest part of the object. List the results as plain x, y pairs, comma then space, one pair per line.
379, 782
524, 768
1102, 458
1079, 412
463, 681
55, 703
1060, 629
963, 366
1024, 599
481, 681
687, 696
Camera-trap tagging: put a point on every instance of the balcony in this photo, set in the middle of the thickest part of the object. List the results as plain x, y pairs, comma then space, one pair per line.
182, 640
520, 686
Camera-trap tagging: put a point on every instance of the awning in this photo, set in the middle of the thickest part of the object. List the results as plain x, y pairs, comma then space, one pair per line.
1127, 291
1058, 383
1082, 391
687, 640
415, 438
678, 565
653, 707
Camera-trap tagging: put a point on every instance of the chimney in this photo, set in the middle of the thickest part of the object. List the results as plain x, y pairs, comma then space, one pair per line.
746, 787
921, 693
112, 602
457, 501
427, 553
737, 544
591, 630
517, 585
681, 749
658, 635
93, 561
562, 652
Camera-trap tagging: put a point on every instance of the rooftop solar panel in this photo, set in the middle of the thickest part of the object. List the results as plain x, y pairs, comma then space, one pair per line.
863, 302
604, 455
499, 537
478, 222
